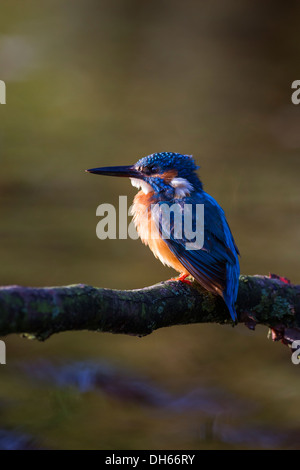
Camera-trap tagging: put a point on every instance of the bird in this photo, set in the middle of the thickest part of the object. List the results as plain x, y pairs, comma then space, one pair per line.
171, 179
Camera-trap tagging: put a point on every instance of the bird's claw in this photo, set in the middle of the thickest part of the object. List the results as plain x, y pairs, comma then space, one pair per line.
182, 278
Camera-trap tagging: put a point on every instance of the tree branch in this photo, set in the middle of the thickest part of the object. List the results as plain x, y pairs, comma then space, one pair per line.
41, 312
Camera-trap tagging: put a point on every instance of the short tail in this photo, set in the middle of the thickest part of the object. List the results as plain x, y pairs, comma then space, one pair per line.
231, 309
232, 286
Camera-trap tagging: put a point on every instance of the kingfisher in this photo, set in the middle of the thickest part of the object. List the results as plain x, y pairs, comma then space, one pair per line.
170, 178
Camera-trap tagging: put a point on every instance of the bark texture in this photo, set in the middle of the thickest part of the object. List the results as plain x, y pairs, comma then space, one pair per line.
41, 312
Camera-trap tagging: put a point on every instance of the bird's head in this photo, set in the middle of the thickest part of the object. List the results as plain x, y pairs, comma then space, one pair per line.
167, 173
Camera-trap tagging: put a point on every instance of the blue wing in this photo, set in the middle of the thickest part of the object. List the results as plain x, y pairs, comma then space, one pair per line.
215, 266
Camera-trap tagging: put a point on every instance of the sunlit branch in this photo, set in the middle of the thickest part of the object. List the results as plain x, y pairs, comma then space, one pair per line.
41, 312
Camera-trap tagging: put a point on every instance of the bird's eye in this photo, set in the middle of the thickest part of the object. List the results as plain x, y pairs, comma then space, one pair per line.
150, 170
147, 170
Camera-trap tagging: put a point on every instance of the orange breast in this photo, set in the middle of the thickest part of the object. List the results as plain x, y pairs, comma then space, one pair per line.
149, 234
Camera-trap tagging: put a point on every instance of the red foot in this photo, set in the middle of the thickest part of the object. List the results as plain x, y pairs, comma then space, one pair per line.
277, 333
280, 278
182, 278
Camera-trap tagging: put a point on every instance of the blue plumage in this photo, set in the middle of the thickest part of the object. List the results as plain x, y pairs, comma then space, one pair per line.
170, 178
215, 266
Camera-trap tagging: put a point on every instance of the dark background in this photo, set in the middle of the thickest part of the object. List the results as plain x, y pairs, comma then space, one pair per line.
95, 83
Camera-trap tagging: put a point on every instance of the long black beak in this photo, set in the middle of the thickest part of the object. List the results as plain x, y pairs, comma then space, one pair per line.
128, 171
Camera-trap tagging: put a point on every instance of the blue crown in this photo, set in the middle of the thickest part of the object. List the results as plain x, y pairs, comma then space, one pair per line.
164, 161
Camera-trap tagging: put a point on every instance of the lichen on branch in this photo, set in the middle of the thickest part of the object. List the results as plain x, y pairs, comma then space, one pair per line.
41, 312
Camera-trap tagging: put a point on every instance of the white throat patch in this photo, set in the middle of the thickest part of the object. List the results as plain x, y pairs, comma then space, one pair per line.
140, 184
182, 186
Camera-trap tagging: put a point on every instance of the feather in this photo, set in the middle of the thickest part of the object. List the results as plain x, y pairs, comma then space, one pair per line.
215, 266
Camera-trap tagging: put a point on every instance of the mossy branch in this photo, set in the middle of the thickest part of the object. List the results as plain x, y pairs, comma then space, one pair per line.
41, 312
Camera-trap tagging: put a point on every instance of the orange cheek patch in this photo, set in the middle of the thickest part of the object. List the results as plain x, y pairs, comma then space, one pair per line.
167, 176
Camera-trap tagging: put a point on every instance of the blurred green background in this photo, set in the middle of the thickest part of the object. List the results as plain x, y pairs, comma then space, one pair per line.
95, 83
